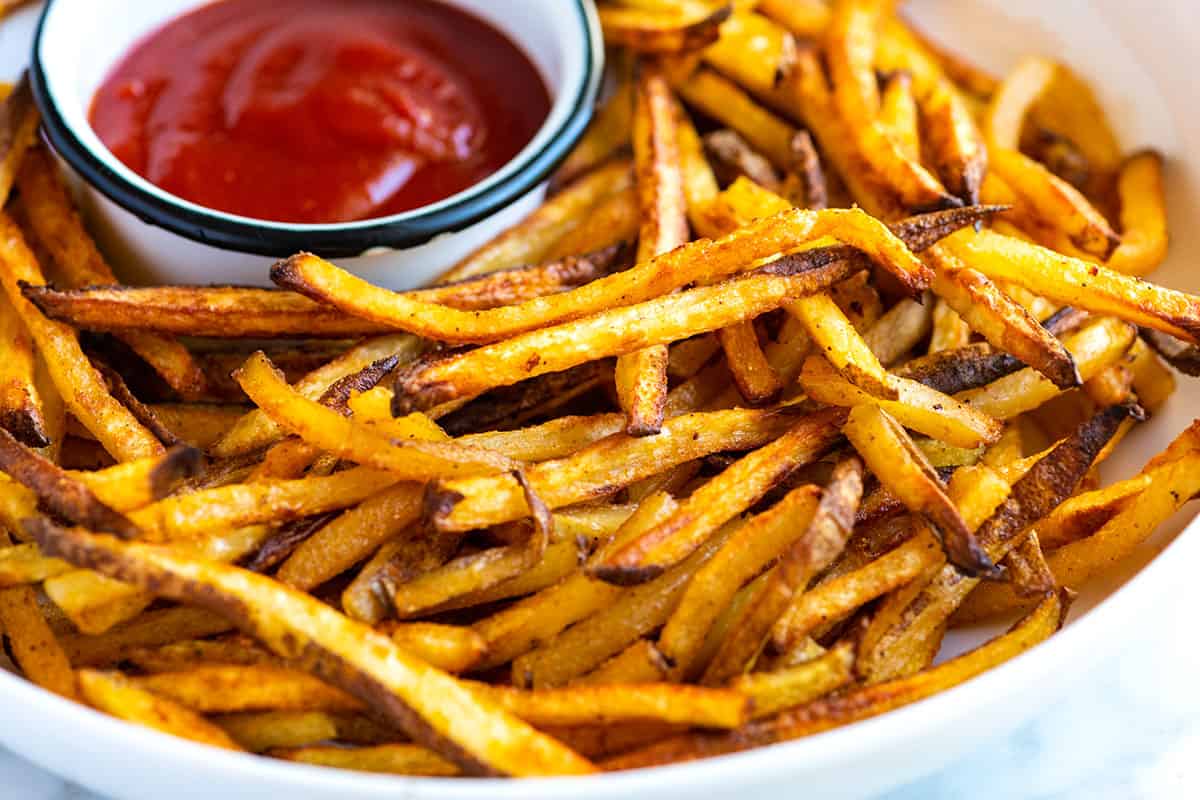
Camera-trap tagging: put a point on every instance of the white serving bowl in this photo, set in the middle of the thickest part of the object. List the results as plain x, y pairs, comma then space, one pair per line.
153, 236
1139, 60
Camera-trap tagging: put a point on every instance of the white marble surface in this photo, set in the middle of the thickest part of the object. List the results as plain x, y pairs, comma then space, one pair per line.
1129, 730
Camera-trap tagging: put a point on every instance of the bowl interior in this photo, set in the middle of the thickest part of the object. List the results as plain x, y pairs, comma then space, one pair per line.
80, 41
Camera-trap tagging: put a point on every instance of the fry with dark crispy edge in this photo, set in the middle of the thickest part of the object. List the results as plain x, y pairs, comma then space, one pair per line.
113, 694
1047, 483
732, 157
479, 737
667, 30
530, 240
20, 403
222, 311
81, 388
751, 548
815, 549
1079, 283
256, 430
641, 376
61, 493
59, 228
31, 641
720, 500
904, 471
850, 44
955, 143
860, 703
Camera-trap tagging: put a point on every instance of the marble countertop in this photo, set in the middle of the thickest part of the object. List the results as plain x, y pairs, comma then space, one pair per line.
1129, 730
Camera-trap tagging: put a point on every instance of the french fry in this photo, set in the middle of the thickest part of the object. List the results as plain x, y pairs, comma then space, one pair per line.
860, 703
1049, 481
777, 690
611, 463
59, 228
919, 407
449, 647
733, 157
822, 541
19, 121
530, 240
20, 402
24, 564
1143, 215
398, 686
899, 330
641, 662
761, 540
1095, 347
113, 694
506, 406
328, 430
720, 500
804, 18
904, 471
955, 143
61, 493
608, 132
1013, 100
259, 731
898, 114
229, 688
850, 47
667, 30
722, 99
641, 375
183, 655
752, 48
31, 641
394, 759
150, 629
73, 375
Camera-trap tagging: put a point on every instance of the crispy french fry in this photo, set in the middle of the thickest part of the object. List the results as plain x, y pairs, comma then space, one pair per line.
777, 690
858, 704
73, 375
1143, 215
19, 121
398, 686
917, 406
394, 759
898, 114
112, 693
20, 402
258, 731
668, 30
530, 240
720, 500
597, 470
641, 662
228, 688
32, 643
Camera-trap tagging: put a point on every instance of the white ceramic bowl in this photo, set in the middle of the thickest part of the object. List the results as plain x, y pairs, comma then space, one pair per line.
1139, 59
155, 237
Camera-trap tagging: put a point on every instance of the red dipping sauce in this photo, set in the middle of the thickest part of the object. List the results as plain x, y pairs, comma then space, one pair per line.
320, 111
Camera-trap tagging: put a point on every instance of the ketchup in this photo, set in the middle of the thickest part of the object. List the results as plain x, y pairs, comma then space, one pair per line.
319, 111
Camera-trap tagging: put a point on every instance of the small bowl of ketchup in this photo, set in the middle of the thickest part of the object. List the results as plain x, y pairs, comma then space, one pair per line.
394, 136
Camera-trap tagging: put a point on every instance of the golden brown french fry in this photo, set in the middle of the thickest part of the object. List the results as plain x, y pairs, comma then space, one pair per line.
530, 240
822, 541
228, 688
1095, 347
183, 655
611, 463
449, 647
751, 50
720, 500
904, 471
949, 330
20, 402
258, 731
668, 30
1143, 215
19, 121
112, 693
607, 133
410, 459
398, 686
641, 375
850, 43
723, 100
1153, 382
1013, 100
761, 540
898, 114
781, 689
641, 662
899, 330
24, 564
393, 759
59, 228
73, 375
954, 142
858, 704
917, 406
32, 643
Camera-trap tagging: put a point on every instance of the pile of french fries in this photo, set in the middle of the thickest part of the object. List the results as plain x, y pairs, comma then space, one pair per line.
706, 453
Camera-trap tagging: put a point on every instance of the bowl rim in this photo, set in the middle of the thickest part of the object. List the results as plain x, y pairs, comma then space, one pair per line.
331, 240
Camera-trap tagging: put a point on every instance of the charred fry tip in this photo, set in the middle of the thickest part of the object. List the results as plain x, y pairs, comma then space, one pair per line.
438, 503
181, 461
26, 427
621, 575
